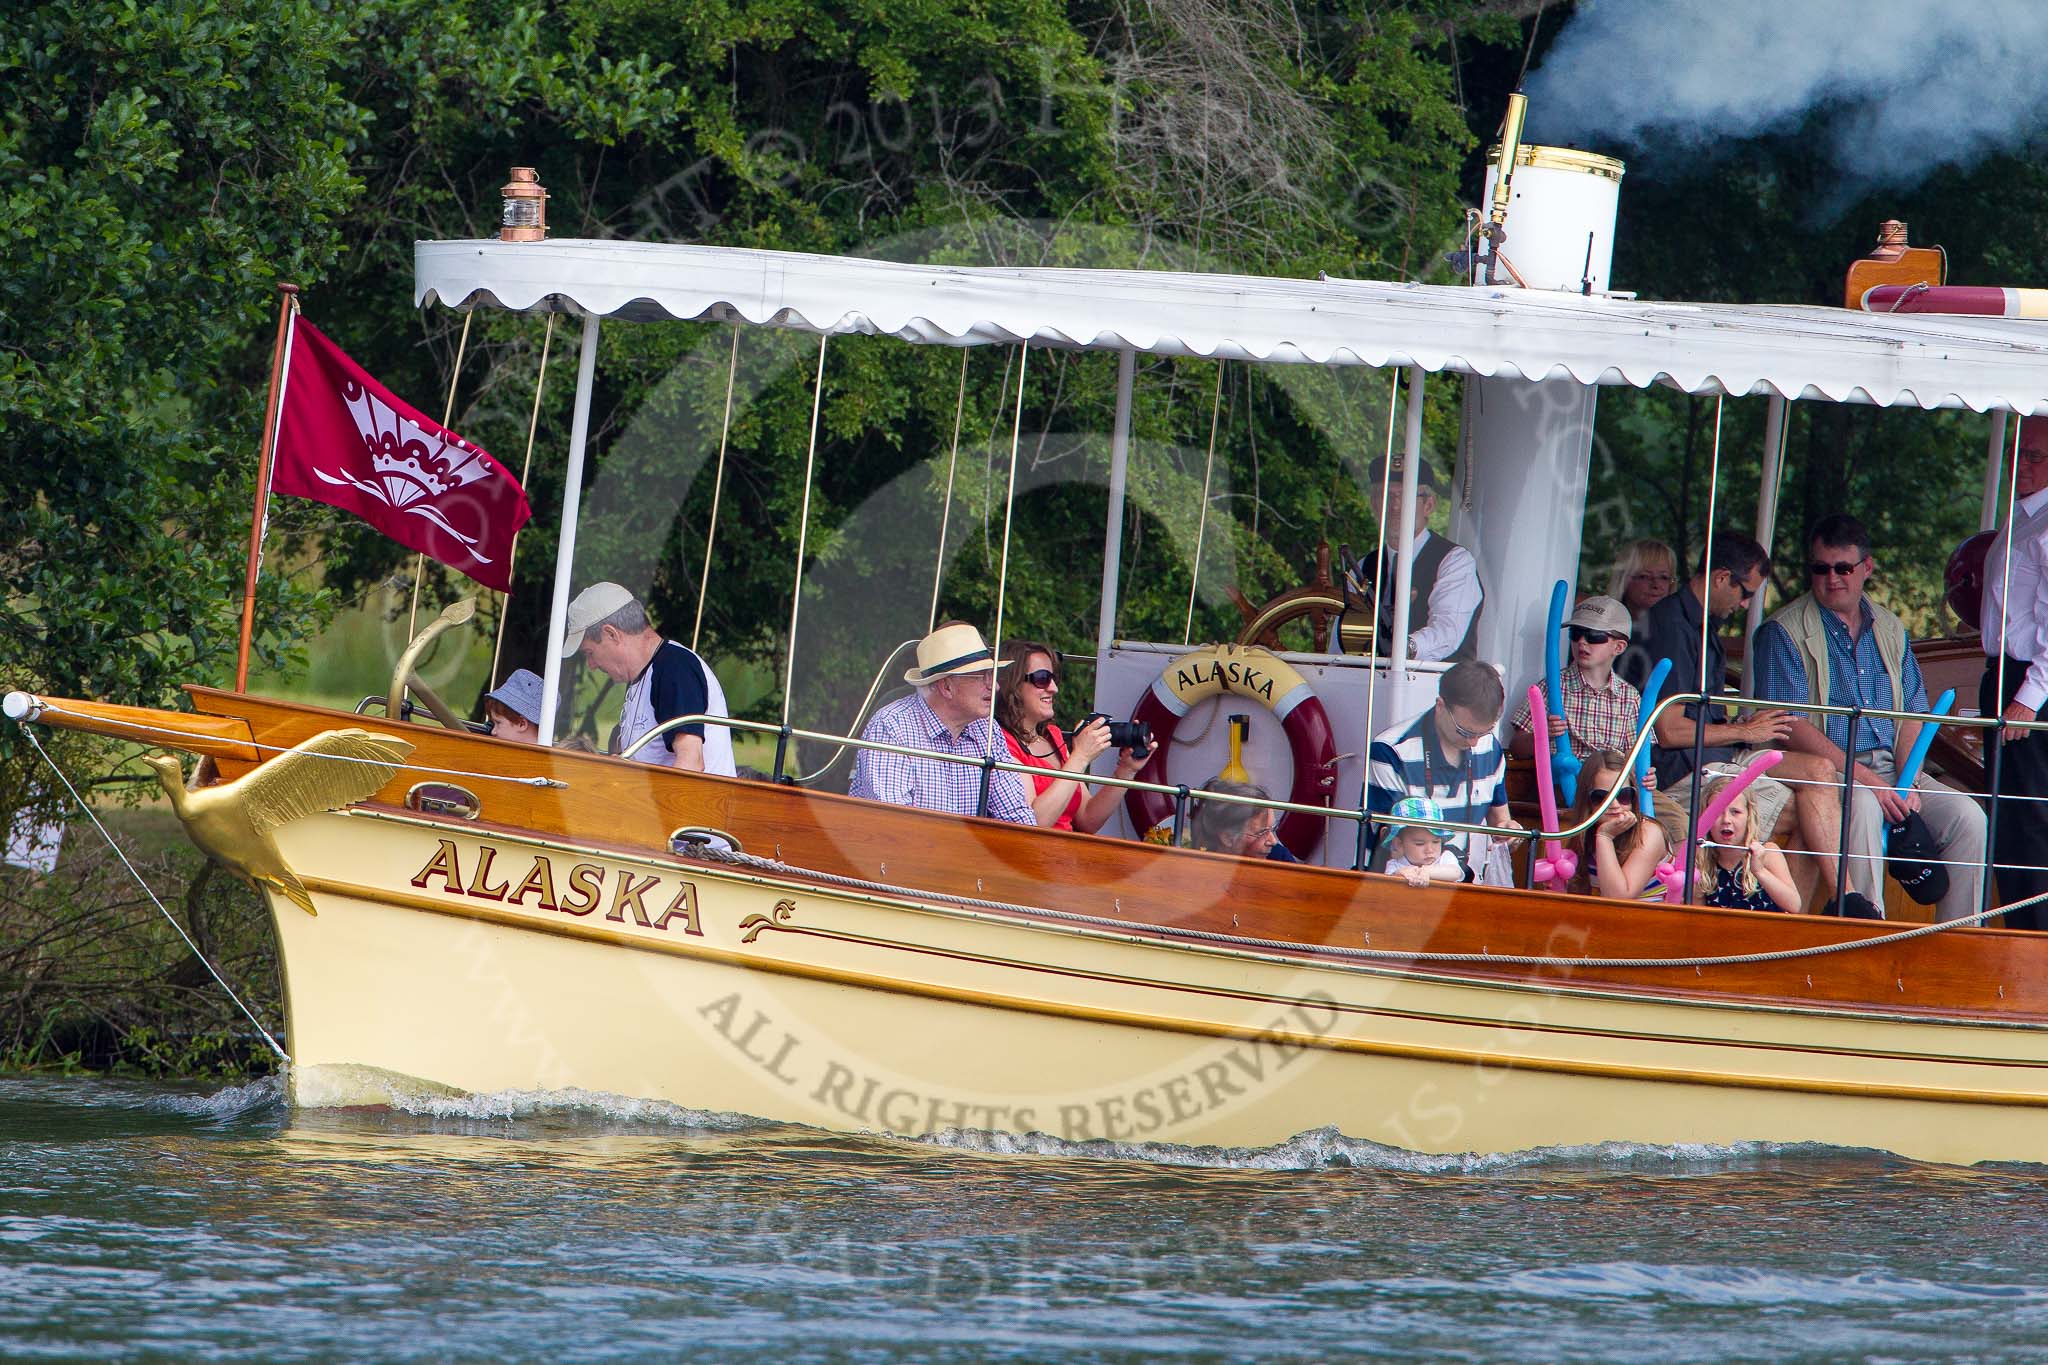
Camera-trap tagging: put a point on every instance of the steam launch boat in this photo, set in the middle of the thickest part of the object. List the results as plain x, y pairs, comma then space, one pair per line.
458, 913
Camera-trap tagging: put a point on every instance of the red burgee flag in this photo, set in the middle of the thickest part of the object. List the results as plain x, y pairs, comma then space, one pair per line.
346, 440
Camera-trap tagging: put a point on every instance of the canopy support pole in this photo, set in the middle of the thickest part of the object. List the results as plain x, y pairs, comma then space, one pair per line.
1202, 522
1113, 536
565, 552
1994, 470
1766, 513
803, 542
1396, 649
1709, 687
946, 511
540, 384
732, 371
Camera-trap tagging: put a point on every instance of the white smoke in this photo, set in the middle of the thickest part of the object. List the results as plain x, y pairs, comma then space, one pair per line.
1907, 87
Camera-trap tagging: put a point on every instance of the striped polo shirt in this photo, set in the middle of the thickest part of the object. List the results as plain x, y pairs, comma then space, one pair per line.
1409, 760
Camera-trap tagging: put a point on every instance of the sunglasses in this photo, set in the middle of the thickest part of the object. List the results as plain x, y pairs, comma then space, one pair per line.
1593, 637
1041, 677
1840, 568
1596, 795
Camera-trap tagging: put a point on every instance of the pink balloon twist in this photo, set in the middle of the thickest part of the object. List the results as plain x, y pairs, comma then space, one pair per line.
1669, 871
1558, 864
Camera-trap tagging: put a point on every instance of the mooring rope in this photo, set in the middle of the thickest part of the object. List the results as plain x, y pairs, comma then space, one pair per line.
178, 928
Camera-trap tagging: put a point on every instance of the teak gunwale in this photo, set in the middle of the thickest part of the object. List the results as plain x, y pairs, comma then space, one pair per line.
1973, 975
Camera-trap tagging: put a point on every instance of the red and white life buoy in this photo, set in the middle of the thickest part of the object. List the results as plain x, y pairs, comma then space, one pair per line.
1259, 674
1978, 300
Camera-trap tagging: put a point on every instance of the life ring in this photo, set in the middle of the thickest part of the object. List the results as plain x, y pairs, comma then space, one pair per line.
1262, 676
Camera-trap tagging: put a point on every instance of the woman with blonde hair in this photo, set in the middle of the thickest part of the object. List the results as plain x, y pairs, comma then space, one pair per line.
1735, 870
1645, 573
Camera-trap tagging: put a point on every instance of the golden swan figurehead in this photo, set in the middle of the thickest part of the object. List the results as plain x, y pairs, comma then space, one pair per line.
232, 821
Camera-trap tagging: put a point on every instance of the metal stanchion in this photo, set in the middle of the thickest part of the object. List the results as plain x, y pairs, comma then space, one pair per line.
1848, 790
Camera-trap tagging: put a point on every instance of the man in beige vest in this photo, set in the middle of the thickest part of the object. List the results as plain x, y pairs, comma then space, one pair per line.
1837, 646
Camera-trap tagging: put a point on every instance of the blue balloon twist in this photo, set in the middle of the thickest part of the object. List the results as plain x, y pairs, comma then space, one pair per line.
1564, 764
1909, 772
1646, 800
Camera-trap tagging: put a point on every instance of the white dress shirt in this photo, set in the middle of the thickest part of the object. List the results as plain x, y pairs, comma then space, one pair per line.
1452, 600
2025, 613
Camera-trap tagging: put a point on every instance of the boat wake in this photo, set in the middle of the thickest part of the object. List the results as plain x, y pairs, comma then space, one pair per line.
359, 1094
247, 1100
345, 1088
1328, 1149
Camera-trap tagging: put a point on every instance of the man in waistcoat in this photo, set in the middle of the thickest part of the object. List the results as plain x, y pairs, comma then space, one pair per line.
1835, 645
2013, 620
1444, 596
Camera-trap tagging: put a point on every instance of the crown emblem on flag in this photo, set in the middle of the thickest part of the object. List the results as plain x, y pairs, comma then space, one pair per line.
411, 463
412, 466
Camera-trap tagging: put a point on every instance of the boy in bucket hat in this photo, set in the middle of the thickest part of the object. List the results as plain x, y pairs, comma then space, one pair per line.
1420, 855
949, 713
513, 707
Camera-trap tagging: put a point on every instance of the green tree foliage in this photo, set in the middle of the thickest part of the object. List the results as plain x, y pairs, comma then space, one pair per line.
161, 165
1187, 135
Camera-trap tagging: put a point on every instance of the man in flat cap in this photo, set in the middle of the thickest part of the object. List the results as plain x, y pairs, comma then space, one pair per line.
608, 626
1444, 596
949, 713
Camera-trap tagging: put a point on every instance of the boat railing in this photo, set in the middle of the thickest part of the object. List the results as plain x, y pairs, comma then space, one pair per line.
1362, 817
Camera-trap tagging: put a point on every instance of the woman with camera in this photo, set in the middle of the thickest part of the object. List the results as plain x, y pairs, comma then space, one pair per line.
1024, 707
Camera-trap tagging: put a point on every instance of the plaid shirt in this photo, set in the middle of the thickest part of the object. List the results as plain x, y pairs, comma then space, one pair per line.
904, 781
1597, 720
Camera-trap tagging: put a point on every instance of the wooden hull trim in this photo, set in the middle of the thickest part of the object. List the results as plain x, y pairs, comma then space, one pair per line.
1054, 922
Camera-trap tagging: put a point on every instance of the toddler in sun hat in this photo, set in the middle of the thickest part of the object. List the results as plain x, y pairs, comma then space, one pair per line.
1420, 855
513, 707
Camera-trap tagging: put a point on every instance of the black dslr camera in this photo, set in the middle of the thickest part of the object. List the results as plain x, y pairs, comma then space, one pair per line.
1134, 735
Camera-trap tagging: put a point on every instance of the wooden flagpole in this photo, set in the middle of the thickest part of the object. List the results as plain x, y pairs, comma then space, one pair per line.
287, 300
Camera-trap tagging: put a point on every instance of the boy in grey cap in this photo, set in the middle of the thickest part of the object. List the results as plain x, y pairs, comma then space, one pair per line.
1600, 708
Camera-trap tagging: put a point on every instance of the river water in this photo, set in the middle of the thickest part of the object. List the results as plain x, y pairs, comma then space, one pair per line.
150, 1222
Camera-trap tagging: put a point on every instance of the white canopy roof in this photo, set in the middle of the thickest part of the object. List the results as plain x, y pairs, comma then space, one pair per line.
1919, 360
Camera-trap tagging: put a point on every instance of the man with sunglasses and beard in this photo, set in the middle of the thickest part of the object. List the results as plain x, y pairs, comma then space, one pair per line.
1834, 645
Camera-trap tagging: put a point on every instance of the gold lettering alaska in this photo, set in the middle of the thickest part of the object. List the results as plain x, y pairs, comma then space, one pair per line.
629, 892
1190, 679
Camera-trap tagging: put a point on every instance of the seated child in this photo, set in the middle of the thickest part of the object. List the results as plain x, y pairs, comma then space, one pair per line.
1420, 855
1737, 872
1618, 857
1599, 708
513, 707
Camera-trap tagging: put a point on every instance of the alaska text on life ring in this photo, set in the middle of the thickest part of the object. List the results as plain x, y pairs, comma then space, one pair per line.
1262, 676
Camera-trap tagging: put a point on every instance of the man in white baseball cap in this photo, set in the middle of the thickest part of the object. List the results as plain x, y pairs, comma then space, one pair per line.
608, 626
949, 713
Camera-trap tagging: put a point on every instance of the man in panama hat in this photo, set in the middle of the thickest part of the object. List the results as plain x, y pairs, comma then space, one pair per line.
949, 713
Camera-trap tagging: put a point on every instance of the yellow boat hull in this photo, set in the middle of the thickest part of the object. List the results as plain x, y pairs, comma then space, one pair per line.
487, 962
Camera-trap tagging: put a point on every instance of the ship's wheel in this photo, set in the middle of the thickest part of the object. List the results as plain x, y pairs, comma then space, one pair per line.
1306, 614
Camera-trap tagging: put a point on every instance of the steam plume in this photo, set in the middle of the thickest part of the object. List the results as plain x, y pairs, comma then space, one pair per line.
1906, 87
